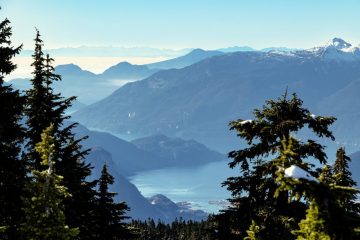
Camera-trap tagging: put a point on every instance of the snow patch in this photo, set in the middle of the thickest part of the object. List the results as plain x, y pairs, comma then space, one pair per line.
298, 173
246, 121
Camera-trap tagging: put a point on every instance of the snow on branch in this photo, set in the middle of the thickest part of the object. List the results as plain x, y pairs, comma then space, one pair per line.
246, 121
298, 173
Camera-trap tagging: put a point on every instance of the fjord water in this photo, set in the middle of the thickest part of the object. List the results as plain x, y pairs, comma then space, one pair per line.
200, 186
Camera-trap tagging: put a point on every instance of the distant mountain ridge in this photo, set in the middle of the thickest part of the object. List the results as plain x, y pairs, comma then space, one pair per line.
90, 87
198, 101
334, 50
194, 56
110, 51
124, 70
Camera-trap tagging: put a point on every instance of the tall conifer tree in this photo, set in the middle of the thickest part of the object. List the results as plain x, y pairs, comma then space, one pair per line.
110, 215
343, 177
44, 107
12, 169
345, 209
272, 147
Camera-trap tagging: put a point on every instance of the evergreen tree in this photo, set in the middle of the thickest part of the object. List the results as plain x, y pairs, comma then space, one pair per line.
313, 226
327, 214
342, 177
110, 215
79, 208
45, 107
45, 218
256, 193
343, 205
12, 169
179, 229
37, 106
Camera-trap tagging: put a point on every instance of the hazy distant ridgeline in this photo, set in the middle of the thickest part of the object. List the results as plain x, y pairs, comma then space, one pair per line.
90, 87
198, 101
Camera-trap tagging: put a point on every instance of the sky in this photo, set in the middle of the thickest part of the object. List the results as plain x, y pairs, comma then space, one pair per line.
208, 24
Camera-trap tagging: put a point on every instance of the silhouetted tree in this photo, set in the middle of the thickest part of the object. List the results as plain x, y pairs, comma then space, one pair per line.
110, 215
12, 169
178, 229
45, 107
344, 207
343, 177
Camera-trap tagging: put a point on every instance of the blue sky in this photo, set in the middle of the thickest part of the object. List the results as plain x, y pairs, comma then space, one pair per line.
208, 24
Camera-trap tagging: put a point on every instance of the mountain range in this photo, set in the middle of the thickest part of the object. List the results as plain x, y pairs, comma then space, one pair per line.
110, 51
194, 56
198, 101
117, 51
90, 87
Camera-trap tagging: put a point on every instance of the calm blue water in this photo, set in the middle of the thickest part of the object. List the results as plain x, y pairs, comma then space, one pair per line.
200, 186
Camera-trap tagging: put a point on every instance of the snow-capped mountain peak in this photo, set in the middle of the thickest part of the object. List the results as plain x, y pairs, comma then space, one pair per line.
338, 43
334, 50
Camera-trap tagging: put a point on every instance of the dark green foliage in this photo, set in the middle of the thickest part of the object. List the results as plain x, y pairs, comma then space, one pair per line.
313, 226
45, 218
226, 224
110, 216
342, 177
257, 199
79, 207
12, 169
179, 229
333, 210
45, 107
344, 210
